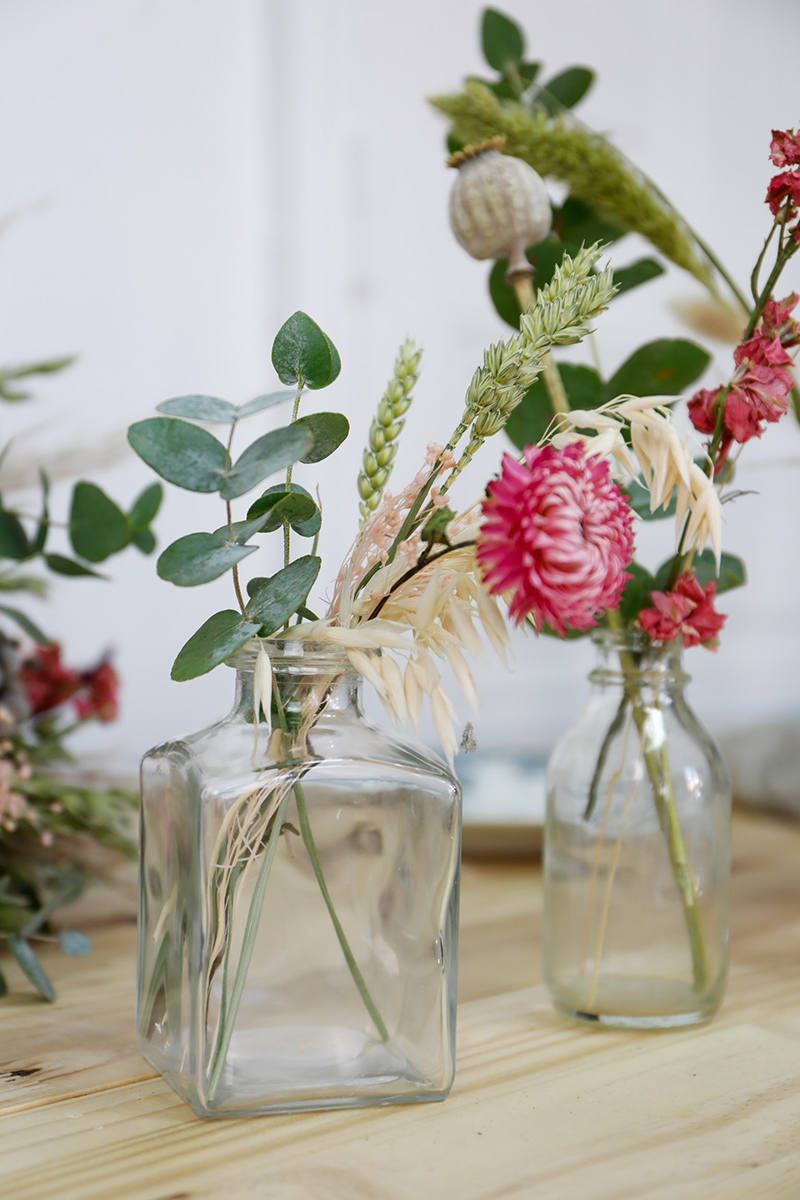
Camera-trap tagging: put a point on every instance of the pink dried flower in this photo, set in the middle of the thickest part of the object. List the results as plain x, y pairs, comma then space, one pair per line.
777, 321
687, 611
783, 187
785, 148
557, 536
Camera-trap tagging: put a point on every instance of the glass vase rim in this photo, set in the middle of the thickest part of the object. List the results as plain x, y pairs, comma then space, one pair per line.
635, 639
298, 653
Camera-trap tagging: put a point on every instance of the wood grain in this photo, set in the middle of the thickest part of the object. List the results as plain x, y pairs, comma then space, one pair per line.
540, 1108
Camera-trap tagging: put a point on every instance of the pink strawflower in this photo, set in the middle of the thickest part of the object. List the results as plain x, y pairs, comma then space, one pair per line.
687, 611
556, 537
785, 148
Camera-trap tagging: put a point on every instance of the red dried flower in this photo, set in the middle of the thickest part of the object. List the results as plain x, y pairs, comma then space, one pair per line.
557, 537
46, 680
777, 321
687, 611
785, 148
98, 695
783, 187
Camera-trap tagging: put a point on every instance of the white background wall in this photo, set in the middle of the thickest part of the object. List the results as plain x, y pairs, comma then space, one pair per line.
199, 170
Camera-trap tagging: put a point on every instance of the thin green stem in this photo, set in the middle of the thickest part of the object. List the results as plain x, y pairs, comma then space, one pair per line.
658, 770
355, 971
246, 953
287, 554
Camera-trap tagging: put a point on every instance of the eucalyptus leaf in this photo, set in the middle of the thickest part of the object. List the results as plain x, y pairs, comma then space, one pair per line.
97, 528
732, 571
269, 400
144, 540
280, 506
13, 538
30, 966
502, 40
179, 452
280, 597
665, 367
146, 506
328, 430
636, 595
40, 539
303, 354
565, 89
200, 557
529, 420
639, 499
217, 639
25, 623
242, 531
637, 273
200, 408
68, 566
75, 944
273, 452
577, 223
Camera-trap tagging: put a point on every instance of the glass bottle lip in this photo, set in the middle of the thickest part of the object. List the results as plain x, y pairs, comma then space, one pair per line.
657, 661
294, 654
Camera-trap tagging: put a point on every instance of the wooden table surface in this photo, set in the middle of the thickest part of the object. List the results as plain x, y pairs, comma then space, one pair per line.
540, 1108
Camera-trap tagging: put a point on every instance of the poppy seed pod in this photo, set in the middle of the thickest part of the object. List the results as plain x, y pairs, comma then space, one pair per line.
499, 205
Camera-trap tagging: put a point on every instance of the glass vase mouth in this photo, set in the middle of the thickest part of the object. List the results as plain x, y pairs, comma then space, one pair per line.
294, 654
626, 652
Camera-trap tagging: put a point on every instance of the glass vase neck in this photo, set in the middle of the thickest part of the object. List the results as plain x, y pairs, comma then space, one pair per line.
301, 672
628, 654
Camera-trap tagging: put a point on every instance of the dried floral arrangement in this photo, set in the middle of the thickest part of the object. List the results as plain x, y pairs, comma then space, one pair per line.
553, 537
56, 833
542, 540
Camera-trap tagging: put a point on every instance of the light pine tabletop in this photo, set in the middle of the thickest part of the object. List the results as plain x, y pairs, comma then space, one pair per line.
541, 1107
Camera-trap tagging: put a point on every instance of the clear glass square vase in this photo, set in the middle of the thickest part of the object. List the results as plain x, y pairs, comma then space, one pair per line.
298, 912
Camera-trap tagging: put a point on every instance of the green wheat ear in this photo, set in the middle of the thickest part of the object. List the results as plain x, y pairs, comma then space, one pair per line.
562, 148
386, 429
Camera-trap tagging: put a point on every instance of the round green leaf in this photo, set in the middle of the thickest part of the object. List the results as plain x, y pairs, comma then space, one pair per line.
145, 506
220, 637
200, 408
302, 353
267, 401
97, 528
281, 596
25, 623
306, 527
273, 452
181, 453
665, 367
529, 420
30, 966
502, 40
144, 540
13, 538
565, 89
75, 944
199, 558
328, 430
68, 566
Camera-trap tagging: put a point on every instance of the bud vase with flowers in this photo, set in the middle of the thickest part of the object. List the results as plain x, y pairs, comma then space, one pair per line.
637, 835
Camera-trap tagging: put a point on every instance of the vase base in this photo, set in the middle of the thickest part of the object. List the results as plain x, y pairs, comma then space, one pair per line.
300, 1069
628, 1003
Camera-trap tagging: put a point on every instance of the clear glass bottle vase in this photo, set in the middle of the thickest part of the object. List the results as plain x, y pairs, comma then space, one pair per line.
637, 848
299, 881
